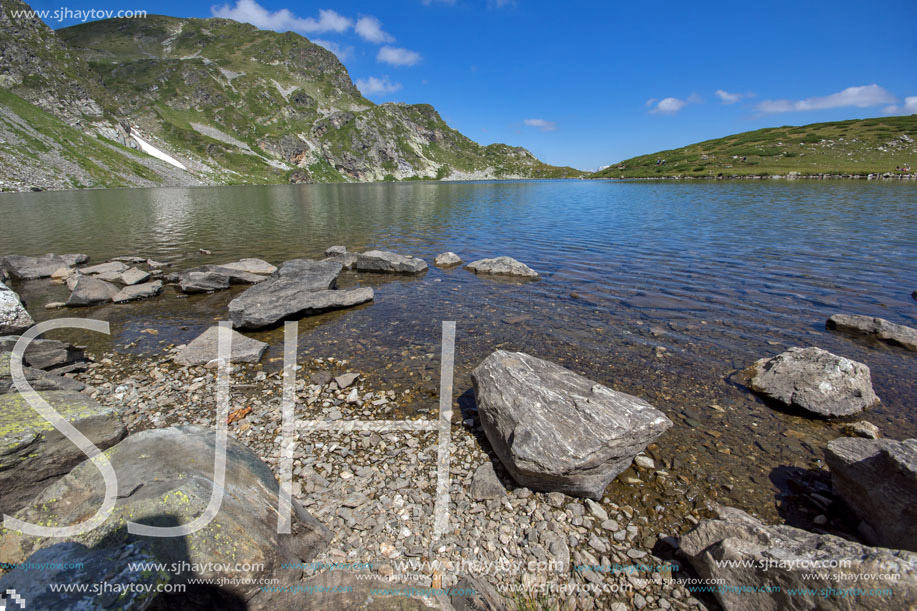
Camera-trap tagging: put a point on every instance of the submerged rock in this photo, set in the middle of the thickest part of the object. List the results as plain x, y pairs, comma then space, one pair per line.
91, 291
554, 429
816, 381
447, 259
203, 349
889, 332
771, 567
33, 453
388, 262
300, 287
877, 478
138, 291
13, 316
165, 478
503, 266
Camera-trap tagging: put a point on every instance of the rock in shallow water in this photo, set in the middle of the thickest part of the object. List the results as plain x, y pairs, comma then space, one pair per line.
554, 429
252, 266
13, 316
889, 332
138, 291
783, 558
816, 381
389, 262
33, 453
503, 266
91, 291
165, 478
32, 268
208, 278
134, 276
447, 259
878, 480
203, 349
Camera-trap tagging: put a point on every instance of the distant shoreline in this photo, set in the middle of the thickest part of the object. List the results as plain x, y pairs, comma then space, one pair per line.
901, 177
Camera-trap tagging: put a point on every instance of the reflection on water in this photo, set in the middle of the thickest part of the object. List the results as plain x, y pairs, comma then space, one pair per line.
717, 274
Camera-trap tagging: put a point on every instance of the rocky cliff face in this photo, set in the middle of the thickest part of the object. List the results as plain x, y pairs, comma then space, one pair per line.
238, 105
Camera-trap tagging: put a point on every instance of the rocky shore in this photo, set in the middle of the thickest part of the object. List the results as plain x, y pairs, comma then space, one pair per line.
535, 514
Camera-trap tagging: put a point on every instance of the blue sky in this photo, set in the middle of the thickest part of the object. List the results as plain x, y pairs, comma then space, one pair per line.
591, 83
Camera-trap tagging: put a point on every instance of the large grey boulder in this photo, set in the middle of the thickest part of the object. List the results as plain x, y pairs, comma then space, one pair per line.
37, 378
138, 291
165, 478
251, 266
89, 291
877, 478
32, 268
503, 266
881, 329
383, 261
33, 453
72, 563
300, 287
794, 566
203, 349
13, 316
556, 430
816, 381
45, 353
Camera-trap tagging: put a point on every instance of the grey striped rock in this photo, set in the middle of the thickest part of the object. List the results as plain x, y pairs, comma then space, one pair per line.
879, 328
383, 261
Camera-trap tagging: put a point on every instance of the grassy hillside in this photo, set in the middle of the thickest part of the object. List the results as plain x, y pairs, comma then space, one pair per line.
856, 147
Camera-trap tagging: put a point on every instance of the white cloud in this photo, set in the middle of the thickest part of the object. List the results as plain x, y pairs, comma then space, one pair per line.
397, 56
669, 106
249, 11
728, 98
369, 28
377, 86
857, 97
650, 102
541, 124
908, 108
343, 53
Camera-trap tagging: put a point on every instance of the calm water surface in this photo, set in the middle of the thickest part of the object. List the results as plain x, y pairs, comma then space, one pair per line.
717, 274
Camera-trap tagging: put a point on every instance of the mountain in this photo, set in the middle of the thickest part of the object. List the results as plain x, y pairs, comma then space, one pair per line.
162, 100
858, 147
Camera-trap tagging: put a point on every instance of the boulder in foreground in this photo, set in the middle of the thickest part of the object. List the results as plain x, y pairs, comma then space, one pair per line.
203, 349
816, 381
503, 266
797, 560
384, 261
877, 478
13, 316
555, 430
165, 478
33, 453
879, 328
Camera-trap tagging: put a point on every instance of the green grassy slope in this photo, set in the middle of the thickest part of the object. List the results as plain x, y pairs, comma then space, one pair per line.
856, 147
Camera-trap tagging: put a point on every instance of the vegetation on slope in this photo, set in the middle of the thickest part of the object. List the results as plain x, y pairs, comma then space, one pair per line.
855, 147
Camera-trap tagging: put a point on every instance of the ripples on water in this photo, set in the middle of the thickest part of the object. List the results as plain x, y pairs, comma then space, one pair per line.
719, 274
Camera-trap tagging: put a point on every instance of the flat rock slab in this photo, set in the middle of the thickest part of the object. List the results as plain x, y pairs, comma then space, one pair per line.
13, 316
91, 291
383, 261
447, 259
44, 353
166, 478
134, 276
257, 311
138, 291
555, 430
203, 349
879, 328
116, 267
33, 453
878, 480
795, 559
503, 266
32, 268
815, 381
252, 266
37, 378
